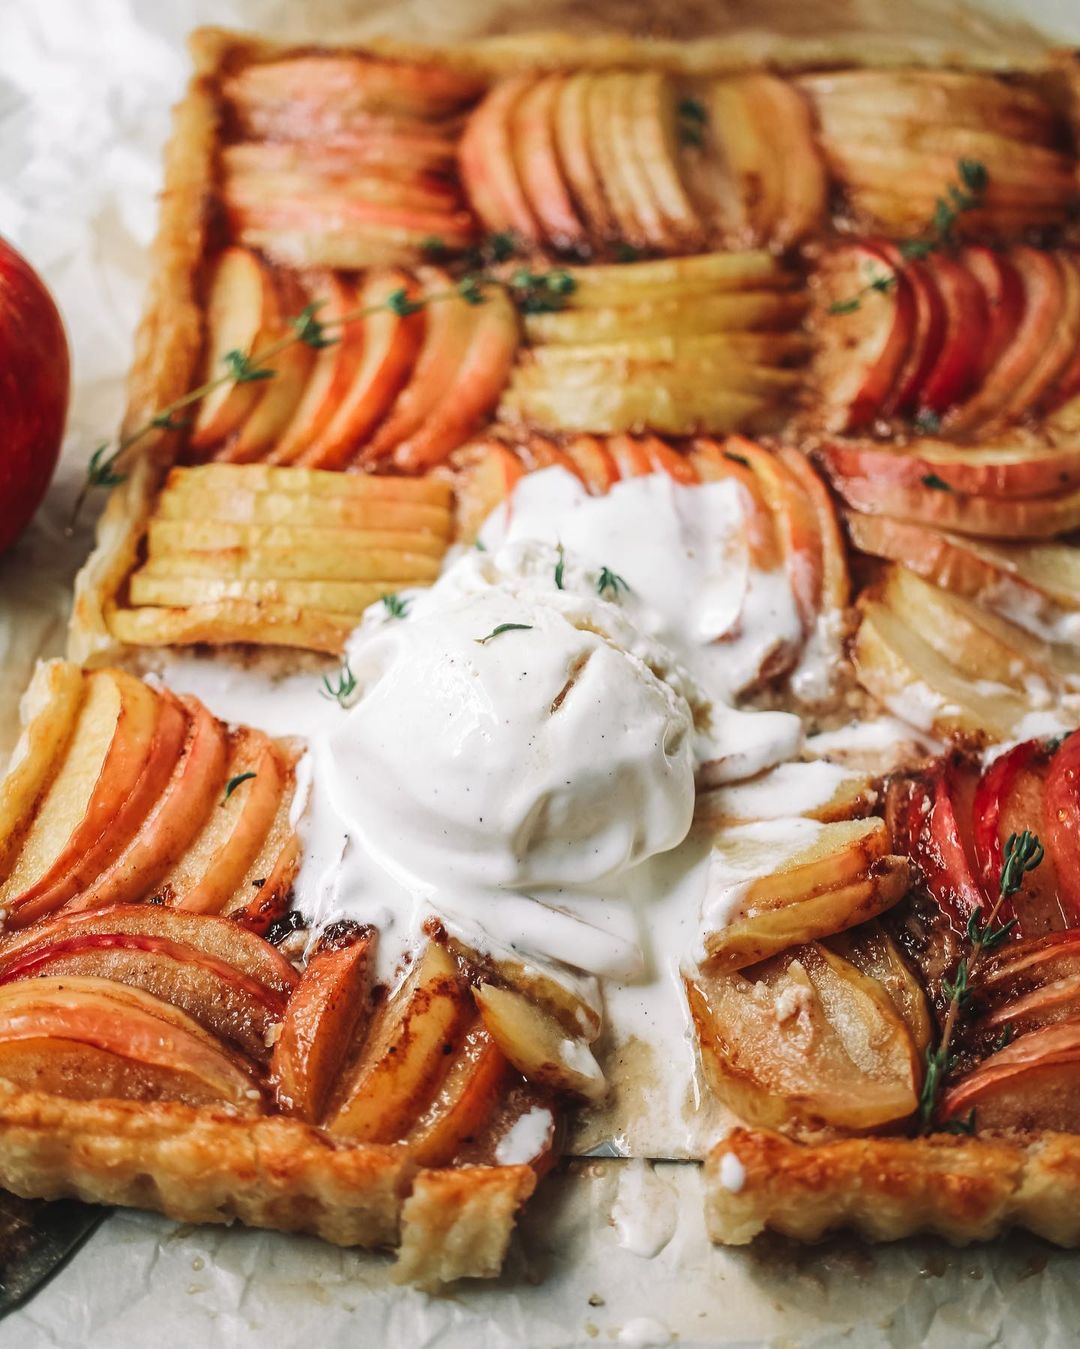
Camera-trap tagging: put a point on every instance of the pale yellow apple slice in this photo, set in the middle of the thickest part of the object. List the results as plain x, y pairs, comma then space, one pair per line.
464, 1103
49, 710
537, 1045
336, 597
226, 622
358, 563
874, 953
619, 407
655, 149
241, 316
305, 547
601, 105
305, 482
627, 283
625, 105
747, 311
539, 168
404, 1058
573, 134
341, 510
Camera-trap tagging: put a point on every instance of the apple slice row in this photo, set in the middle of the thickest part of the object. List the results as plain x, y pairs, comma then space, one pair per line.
973, 339
399, 389
133, 802
597, 161
347, 161
683, 345
306, 550
893, 140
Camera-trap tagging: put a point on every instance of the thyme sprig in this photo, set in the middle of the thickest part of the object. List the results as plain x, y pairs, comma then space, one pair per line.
1023, 853
560, 568
503, 627
967, 194
395, 606
610, 580
342, 687
235, 782
531, 291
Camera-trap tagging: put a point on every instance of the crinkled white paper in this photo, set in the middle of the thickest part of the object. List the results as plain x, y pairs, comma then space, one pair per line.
85, 92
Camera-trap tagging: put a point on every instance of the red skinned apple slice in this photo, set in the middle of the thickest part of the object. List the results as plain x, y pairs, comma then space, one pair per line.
86, 1038
1013, 467
950, 376
663, 459
228, 1004
1033, 1083
861, 348
713, 463
179, 812
835, 581
1043, 281
1061, 828
1003, 291
927, 332
488, 170
389, 343
656, 149
464, 1103
945, 840
211, 871
148, 736
450, 325
1037, 903
796, 523
322, 1019
241, 309
331, 375
484, 476
984, 517
540, 452
536, 157
1060, 352
405, 1057
472, 393
219, 938
629, 456
1006, 790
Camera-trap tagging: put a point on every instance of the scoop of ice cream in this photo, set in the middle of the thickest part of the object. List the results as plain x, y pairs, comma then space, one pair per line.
515, 730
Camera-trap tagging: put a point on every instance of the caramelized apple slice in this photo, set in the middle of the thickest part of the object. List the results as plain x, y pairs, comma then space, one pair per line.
807, 1040
664, 327
874, 953
230, 1005
406, 1054
595, 465
574, 139
654, 146
484, 476
602, 112
217, 938
573, 1000
86, 1038
388, 346
1012, 466
1061, 824
627, 97
49, 708
322, 1019
464, 1102
537, 1045
761, 897
241, 313
1033, 1083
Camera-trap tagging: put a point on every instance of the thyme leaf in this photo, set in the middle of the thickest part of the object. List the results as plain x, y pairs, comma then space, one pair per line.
610, 580
503, 627
235, 782
341, 688
395, 606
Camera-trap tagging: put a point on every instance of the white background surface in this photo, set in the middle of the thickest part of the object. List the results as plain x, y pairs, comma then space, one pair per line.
85, 88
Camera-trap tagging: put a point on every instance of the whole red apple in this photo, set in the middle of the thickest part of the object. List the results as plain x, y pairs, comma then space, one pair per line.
34, 384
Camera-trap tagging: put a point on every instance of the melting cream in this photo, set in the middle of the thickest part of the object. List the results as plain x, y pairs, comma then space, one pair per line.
520, 752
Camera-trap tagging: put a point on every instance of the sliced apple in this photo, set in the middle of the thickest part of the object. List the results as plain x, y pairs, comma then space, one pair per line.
678, 278
864, 334
676, 321
241, 314
218, 938
406, 1054
464, 1102
1061, 824
809, 1039
539, 452
754, 168
1003, 292
780, 106
85, 1038
670, 407
300, 551
602, 98
1043, 283
628, 95
918, 685
927, 333
50, 708
573, 135
124, 745
835, 580
173, 820
304, 564
488, 169
939, 838
229, 1004
340, 510
966, 318
537, 1045
471, 394
333, 371
1033, 1083
713, 463
322, 1020
213, 868
965, 513
539, 170
594, 463
655, 150
874, 953
388, 347
484, 474
219, 480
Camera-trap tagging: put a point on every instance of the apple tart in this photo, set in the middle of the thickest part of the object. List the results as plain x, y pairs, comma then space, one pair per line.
407, 307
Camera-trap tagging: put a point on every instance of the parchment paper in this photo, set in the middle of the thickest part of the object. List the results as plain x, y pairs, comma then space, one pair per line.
85, 89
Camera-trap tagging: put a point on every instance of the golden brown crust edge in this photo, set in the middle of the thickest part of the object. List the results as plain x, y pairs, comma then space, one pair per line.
207, 1166
964, 1189
167, 348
